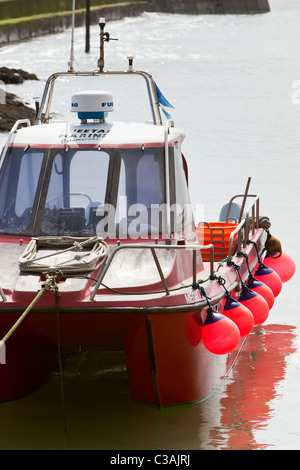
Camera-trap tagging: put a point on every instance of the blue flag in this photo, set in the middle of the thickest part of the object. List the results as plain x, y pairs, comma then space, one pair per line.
163, 102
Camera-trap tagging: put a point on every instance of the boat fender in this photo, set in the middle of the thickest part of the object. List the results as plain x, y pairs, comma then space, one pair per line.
269, 277
273, 246
220, 335
257, 305
284, 265
239, 314
262, 289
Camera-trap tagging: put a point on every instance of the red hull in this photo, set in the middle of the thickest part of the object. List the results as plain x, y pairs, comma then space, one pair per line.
169, 366
167, 362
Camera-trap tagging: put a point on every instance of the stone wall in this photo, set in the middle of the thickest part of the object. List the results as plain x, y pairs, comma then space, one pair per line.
20, 8
28, 27
23, 19
212, 6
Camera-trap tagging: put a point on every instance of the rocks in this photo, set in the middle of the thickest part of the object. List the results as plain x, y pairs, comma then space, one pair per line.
15, 76
11, 107
12, 110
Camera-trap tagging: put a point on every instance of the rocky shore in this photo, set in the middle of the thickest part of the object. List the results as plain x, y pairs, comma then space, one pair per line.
12, 110
11, 107
15, 76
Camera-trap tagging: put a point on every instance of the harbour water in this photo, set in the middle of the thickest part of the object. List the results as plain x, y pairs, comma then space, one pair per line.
234, 82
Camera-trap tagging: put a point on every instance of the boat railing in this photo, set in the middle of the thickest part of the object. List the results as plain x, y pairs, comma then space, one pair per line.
43, 114
11, 133
153, 248
249, 223
253, 207
237, 231
168, 126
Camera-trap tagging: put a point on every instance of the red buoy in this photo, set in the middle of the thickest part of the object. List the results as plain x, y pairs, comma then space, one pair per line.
220, 335
239, 314
263, 290
284, 266
269, 277
257, 305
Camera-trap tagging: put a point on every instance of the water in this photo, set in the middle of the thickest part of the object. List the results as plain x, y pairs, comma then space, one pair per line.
230, 79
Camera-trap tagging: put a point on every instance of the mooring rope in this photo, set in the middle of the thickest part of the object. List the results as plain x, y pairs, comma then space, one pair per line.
24, 314
49, 285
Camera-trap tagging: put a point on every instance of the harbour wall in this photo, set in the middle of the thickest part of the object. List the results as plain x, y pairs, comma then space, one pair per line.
21, 20
212, 6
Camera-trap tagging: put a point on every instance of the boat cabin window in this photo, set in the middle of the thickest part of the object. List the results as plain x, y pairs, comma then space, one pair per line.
184, 215
18, 182
141, 191
77, 186
82, 192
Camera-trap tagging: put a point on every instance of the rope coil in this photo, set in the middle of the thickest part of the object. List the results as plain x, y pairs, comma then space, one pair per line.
80, 260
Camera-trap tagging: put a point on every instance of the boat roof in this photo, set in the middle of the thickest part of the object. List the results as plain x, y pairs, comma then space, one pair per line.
104, 134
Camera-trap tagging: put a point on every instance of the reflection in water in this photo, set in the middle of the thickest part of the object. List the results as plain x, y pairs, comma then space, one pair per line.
246, 405
98, 412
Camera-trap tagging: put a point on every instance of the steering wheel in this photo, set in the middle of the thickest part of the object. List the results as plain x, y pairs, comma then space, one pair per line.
92, 204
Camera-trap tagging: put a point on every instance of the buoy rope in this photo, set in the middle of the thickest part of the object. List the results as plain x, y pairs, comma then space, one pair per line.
261, 264
203, 293
237, 268
222, 283
225, 260
244, 255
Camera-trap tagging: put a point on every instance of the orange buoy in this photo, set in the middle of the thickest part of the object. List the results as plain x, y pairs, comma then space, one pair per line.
269, 277
283, 265
239, 314
262, 289
257, 305
220, 335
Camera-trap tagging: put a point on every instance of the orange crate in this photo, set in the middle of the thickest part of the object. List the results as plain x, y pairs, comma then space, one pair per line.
217, 233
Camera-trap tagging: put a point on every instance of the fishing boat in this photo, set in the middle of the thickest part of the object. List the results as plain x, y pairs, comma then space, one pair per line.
100, 251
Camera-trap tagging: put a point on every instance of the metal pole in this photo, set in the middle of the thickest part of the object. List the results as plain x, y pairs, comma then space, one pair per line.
71, 63
101, 58
87, 27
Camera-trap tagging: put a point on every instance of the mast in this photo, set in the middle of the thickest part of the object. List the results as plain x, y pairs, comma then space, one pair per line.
104, 37
71, 63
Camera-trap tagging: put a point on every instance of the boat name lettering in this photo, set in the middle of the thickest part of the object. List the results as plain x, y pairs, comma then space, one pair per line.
192, 297
78, 135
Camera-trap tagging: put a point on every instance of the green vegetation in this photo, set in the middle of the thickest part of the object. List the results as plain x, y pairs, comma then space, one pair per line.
15, 10
96, 4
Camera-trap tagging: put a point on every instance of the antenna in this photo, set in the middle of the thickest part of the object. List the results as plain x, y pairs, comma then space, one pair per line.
104, 37
71, 63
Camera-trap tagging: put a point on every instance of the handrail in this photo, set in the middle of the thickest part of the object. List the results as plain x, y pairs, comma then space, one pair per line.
153, 249
233, 233
235, 197
168, 125
11, 132
255, 213
255, 216
43, 116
